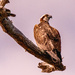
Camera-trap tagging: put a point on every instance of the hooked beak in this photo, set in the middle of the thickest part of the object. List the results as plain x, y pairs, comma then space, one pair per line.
50, 16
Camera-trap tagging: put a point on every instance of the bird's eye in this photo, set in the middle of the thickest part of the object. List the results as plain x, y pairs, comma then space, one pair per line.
47, 15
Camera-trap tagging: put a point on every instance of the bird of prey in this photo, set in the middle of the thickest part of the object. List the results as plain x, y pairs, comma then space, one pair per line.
47, 37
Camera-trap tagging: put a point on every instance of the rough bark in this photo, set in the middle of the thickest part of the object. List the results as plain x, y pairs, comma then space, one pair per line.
23, 41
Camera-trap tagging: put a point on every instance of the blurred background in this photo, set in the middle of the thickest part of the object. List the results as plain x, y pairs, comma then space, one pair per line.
13, 58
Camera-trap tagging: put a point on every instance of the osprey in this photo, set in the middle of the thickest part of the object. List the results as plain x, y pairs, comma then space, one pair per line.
47, 37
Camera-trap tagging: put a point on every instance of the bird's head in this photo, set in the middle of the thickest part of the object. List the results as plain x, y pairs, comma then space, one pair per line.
46, 18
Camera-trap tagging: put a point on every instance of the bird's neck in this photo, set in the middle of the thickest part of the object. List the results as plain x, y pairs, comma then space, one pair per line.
43, 21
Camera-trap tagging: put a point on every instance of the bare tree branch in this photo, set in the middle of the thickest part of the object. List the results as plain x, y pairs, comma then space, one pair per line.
23, 41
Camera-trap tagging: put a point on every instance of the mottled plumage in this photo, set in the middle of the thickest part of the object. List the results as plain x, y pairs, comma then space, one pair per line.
47, 37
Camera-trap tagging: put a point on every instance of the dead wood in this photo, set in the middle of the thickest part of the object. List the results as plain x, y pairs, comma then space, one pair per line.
23, 41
